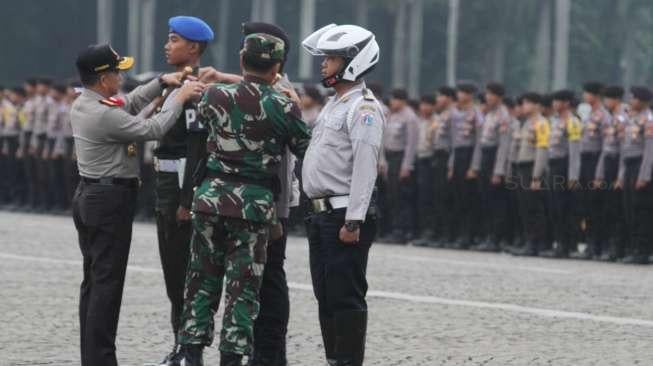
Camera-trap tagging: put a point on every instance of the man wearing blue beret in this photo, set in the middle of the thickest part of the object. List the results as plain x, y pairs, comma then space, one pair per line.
179, 152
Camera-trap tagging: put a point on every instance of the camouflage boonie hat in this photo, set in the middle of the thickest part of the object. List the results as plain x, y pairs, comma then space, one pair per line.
264, 46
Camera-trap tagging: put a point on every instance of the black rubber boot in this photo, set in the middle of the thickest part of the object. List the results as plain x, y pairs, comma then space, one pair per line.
190, 355
230, 359
351, 329
327, 326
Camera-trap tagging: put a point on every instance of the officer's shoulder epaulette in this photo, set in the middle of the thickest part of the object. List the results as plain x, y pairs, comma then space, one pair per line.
368, 95
112, 102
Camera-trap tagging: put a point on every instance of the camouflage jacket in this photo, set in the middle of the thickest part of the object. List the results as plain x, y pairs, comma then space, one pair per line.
250, 124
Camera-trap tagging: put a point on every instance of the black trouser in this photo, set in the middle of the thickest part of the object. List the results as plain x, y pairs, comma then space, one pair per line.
42, 190
532, 206
12, 170
561, 204
29, 168
55, 169
399, 196
588, 201
69, 171
494, 200
103, 216
424, 200
271, 326
514, 187
638, 209
338, 272
442, 200
174, 243
465, 195
610, 225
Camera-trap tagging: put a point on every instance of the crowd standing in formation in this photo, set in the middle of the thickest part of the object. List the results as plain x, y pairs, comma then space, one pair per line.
538, 175
464, 169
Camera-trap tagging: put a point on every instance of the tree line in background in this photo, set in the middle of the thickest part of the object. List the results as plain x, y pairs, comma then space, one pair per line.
528, 44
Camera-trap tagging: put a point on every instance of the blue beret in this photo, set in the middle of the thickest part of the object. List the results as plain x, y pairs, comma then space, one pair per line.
191, 28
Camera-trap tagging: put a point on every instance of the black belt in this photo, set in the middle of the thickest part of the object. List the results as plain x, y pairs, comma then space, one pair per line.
125, 182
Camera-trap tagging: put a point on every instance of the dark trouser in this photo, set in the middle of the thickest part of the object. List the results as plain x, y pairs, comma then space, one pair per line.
561, 204
532, 207
42, 189
12, 170
29, 168
514, 187
55, 179
638, 207
588, 201
338, 271
494, 201
271, 326
610, 227
69, 172
103, 216
465, 196
399, 196
441, 195
424, 194
174, 243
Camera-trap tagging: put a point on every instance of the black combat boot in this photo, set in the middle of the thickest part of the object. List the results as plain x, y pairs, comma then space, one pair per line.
190, 355
230, 359
327, 327
351, 328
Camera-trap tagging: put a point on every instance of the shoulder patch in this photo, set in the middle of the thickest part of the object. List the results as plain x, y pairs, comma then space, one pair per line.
368, 95
113, 102
368, 118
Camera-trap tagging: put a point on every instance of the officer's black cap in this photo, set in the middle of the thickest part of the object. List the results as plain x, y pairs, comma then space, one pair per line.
44, 81
271, 29
547, 100
428, 99
564, 95
614, 92
509, 102
447, 91
642, 93
532, 97
19, 90
466, 87
593, 87
496, 88
99, 58
400, 94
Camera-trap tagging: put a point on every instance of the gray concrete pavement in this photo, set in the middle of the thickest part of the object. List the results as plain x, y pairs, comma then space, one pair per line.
427, 307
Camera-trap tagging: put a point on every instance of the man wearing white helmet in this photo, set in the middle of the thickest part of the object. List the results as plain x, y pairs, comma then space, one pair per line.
339, 172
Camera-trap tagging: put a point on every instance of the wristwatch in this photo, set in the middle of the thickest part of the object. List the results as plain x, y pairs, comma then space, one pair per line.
352, 225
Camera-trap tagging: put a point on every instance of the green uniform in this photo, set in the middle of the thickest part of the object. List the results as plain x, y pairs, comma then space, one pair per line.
250, 124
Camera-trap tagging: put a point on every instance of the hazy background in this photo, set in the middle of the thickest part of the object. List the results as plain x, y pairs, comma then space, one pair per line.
528, 44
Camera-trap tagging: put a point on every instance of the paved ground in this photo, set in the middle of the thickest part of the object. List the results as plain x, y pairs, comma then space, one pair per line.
428, 307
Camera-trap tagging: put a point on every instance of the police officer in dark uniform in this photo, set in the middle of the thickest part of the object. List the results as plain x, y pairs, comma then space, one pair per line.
176, 157
105, 129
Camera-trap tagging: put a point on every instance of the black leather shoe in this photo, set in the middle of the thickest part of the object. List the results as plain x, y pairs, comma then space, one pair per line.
190, 355
585, 255
635, 259
230, 359
528, 250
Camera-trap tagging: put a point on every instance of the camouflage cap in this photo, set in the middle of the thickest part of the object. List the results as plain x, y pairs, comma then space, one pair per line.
264, 46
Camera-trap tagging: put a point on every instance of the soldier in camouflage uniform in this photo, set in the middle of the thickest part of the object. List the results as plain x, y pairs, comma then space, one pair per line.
250, 124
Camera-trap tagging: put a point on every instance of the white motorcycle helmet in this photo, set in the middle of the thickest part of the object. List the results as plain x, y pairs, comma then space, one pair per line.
356, 44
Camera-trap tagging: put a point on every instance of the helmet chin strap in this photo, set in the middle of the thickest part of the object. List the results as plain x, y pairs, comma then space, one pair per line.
331, 81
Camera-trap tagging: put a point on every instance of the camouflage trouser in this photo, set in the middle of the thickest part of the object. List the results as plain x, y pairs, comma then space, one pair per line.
234, 249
